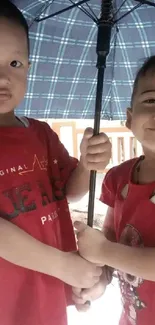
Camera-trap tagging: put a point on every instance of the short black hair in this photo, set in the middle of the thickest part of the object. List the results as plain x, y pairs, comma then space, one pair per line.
10, 11
148, 66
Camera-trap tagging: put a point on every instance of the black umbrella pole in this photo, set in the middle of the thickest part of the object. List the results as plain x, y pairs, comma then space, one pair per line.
105, 24
92, 184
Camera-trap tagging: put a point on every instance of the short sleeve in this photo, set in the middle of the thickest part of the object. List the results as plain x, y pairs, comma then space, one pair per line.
109, 188
66, 163
60, 155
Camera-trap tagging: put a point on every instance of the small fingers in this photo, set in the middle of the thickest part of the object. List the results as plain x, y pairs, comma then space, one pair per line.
83, 308
95, 280
78, 300
98, 166
97, 158
77, 291
88, 133
98, 271
99, 148
98, 139
79, 226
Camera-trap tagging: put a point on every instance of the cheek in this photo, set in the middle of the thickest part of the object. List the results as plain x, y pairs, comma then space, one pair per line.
137, 125
20, 85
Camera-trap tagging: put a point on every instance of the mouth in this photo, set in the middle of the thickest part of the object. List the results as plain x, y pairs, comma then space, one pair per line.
4, 95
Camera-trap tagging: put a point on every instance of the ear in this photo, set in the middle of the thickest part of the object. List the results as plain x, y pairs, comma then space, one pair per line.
128, 118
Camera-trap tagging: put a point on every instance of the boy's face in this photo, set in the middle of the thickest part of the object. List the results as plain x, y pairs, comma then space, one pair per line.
13, 65
141, 118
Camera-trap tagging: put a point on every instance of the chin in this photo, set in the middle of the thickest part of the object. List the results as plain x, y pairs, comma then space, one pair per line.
149, 145
4, 109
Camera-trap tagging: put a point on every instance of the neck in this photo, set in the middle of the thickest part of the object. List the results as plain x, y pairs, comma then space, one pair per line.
149, 160
8, 119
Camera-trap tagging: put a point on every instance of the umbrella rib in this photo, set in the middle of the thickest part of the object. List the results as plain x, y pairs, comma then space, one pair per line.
62, 11
146, 2
113, 68
119, 8
128, 13
93, 13
40, 12
87, 13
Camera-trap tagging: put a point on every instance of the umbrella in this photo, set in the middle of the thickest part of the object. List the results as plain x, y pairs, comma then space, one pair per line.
62, 79
62, 82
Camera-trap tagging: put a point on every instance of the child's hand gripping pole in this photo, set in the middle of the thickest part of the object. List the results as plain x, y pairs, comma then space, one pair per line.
77, 292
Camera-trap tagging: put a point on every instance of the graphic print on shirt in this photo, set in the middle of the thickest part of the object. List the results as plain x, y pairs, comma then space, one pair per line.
21, 169
128, 283
42, 165
22, 197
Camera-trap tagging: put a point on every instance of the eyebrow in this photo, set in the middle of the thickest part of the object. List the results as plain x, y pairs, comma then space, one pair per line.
19, 52
148, 91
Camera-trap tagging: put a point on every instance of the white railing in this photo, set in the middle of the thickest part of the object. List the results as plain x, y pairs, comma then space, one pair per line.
124, 145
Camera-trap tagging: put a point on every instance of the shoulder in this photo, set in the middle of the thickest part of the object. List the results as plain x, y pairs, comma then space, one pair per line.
119, 174
37, 123
123, 170
116, 177
43, 127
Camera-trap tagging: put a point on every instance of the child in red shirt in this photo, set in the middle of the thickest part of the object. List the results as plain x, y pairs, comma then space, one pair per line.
38, 178
129, 191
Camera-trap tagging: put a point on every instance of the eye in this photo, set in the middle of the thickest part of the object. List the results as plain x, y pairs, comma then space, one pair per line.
150, 101
16, 64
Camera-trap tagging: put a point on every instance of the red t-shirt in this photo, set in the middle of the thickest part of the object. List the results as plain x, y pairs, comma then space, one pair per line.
134, 225
34, 169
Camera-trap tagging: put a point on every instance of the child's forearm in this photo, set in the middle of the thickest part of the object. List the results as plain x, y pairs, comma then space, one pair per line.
19, 248
110, 235
139, 262
78, 184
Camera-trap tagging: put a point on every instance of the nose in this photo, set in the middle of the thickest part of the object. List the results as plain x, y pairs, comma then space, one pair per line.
4, 78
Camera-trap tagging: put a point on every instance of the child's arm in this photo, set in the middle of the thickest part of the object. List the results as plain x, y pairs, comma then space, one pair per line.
109, 232
108, 226
95, 155
139, 262
19, 248
81, 297
78, 183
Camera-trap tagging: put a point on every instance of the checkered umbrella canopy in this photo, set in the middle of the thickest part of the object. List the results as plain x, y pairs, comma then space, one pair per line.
62, 79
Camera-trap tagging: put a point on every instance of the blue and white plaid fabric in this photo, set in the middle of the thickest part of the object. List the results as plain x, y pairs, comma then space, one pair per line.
62, 79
